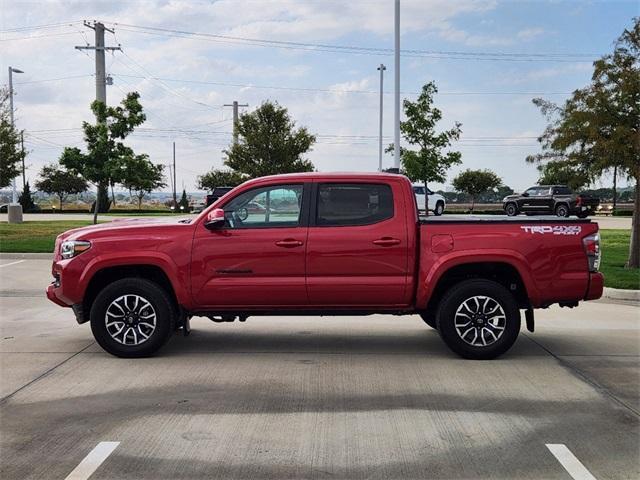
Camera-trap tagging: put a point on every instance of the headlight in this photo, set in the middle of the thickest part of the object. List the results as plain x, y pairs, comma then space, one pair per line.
72, 248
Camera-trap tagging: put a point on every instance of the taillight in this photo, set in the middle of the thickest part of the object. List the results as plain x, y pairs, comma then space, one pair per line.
592, 249
579, 201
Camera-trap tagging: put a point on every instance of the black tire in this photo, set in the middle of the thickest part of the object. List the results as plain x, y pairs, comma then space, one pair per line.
439, 209
562, 210
465, 292
429, 317
583, 214
511, 209
161, 306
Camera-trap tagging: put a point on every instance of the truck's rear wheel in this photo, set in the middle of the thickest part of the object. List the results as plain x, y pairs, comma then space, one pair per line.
562, 210
479, 319
132, 317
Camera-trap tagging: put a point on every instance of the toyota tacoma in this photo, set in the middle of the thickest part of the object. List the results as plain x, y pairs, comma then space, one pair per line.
323, 244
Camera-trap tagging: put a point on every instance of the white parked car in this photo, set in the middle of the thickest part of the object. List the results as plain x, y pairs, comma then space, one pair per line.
436, 204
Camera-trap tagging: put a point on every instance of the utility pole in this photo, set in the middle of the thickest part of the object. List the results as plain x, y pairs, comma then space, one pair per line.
235, 106
396, 112
101, 80
24, 180
175, 199
381, 69
100, 49
14, 193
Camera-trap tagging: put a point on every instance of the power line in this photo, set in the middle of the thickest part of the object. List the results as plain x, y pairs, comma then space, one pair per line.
43, 80
150, 76
327, 90
354, 49
40, 27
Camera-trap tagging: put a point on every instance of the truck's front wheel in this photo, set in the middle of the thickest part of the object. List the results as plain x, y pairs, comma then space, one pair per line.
132, 317
479, 319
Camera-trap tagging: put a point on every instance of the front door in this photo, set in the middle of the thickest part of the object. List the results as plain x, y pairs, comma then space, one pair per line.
357, 247
258, 258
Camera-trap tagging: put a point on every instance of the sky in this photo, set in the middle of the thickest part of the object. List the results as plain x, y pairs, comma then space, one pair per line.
318, 58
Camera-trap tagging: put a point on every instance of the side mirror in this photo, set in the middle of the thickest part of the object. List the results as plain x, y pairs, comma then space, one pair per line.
525, 194
215, 219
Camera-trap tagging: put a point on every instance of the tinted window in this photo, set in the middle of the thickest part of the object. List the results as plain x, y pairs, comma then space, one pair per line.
275, 206
418, 190
353, 204
538, 191
562, 191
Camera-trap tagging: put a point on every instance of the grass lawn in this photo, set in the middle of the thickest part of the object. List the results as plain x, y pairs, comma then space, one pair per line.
34, 237
615, 250
37, 237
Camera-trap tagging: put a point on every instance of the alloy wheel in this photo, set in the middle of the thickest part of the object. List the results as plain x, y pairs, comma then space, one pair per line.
480, 321
130, 320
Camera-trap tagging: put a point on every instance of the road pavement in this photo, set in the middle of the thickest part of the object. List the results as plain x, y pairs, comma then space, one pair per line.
315, 397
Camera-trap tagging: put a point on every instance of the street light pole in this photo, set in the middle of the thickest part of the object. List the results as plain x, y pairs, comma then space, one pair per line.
12, 70
381, 69
396, 112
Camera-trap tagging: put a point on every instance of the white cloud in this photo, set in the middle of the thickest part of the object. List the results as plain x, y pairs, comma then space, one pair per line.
530, 33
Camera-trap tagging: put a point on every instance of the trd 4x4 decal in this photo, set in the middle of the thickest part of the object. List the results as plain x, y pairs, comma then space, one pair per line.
555, 230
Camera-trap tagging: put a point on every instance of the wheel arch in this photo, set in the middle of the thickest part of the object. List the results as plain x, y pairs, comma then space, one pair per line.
108, 274
503, 272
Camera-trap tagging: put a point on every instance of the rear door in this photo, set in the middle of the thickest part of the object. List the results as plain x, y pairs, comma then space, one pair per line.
357, 245
544, 200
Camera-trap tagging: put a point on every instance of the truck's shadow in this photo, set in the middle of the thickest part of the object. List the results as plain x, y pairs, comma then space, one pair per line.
225, 338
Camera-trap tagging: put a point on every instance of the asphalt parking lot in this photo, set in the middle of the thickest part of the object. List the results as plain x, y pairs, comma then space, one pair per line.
315, 397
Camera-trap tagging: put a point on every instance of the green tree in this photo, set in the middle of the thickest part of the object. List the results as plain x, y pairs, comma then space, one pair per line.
597, 128
476, 182
183, 204
141, 176
105, 150
59, 182
10, 153
557, 172
26, 200
269, 143
220, 178
425, 161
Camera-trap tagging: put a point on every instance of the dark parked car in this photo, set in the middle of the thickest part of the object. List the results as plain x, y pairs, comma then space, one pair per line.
550, 199
217, 193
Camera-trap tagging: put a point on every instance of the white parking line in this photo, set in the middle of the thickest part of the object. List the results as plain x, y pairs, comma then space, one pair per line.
569, 461
12, 263
91, 462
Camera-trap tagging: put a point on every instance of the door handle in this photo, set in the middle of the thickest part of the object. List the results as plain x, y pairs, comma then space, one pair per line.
289, 243
386, 242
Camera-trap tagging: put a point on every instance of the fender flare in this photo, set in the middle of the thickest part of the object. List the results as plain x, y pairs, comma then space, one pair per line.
428, 280
150, 258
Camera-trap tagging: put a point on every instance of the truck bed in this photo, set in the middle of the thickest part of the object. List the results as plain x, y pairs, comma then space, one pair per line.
500, 219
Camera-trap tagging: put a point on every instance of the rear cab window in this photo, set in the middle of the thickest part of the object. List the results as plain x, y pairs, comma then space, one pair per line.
353, 204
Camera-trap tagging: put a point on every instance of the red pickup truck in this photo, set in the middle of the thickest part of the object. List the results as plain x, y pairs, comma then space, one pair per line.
325, 244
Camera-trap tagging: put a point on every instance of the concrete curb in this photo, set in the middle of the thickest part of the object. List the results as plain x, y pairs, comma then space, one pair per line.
620, 294
27, 256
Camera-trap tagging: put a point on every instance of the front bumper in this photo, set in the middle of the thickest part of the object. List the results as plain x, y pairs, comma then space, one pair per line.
67, 287
52, 295
596, 286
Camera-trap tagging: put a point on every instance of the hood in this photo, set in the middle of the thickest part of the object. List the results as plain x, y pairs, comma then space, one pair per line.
118, 226
510, 197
